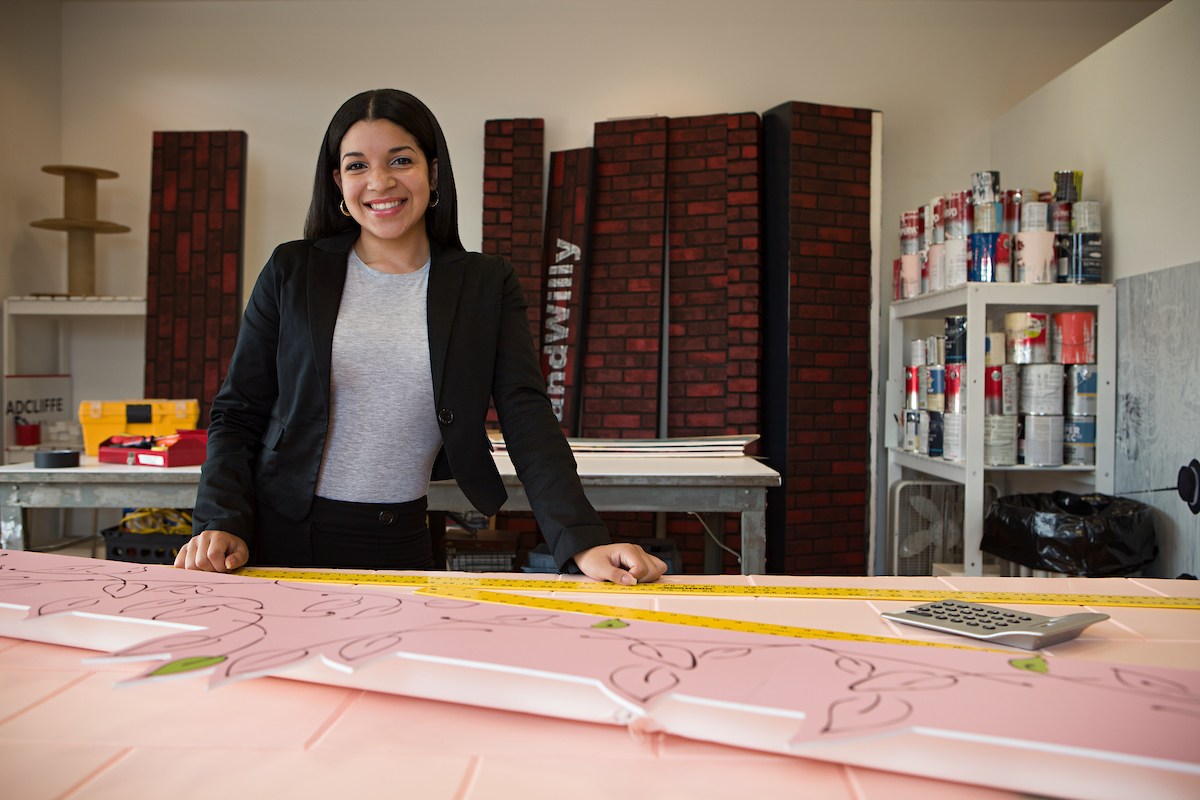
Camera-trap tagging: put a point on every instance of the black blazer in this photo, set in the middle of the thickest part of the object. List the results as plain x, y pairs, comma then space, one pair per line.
270, 419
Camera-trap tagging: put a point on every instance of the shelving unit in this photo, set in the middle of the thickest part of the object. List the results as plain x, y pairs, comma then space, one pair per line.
99, 341
991, 301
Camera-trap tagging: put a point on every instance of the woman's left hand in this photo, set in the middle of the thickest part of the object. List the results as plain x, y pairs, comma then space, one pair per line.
620, 563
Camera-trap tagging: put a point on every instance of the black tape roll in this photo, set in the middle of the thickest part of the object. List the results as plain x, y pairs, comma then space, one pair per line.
54, 459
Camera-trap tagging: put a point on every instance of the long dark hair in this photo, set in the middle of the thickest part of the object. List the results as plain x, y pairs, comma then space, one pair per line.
324, 214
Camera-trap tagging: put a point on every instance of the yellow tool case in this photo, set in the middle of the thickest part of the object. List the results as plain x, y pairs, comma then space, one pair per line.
104, 418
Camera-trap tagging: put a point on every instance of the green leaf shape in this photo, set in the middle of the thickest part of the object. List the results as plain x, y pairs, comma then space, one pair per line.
1035, 664
187, 665
611, 623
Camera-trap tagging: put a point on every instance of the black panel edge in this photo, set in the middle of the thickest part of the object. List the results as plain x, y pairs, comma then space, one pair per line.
777, 157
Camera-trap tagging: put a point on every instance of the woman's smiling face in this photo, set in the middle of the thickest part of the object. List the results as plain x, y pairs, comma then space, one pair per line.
385, 180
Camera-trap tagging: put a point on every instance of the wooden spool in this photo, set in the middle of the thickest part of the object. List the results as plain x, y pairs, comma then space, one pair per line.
80, 223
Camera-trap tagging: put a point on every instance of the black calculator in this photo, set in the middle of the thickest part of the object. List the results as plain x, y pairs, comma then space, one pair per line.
995, 624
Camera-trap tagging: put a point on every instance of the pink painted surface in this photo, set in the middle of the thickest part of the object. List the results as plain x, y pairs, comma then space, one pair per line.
850, 693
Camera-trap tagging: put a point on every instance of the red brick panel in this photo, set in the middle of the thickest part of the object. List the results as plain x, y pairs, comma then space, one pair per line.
743, 260
699, 337
193, 290
621, 366
829, 372
565, 280
512, 201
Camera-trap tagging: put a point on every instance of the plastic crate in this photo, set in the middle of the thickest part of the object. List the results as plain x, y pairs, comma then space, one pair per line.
142, 548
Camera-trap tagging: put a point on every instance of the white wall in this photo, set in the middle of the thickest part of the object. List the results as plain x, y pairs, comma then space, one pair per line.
1128, 116
31, 260
939, 71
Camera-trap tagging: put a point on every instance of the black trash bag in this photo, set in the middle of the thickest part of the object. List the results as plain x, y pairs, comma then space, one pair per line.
1093, 535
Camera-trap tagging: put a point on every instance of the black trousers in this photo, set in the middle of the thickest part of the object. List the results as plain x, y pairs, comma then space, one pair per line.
345, 535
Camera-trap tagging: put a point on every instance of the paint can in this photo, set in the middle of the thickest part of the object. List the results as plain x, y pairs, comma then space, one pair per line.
957, 215
999, 441
909, 233
925, 237
1035, 216
1084, 258
1060, 217
1085, 217
955, 262
1081, 390
1010, 212
910, 275
1079, 441
1042, 389
916, 352
1043, 441
923, 433
952, 437
935, 388
985, 186
935, 350
912, 392
1035, 260
990, 258
956, 394
1073, 337
922, 387
937, 267
1025, 335
993, 349
993, 390
912, 430
936, 435
1011, 388
923, 266
956, 340
987, 218
1001, 390
936, 207
1068, 185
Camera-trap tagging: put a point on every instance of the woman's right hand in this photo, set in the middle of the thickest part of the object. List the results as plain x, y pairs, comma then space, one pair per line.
213, 551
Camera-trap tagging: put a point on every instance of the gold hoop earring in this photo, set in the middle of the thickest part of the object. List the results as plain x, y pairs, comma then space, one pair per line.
344, 211
434, 194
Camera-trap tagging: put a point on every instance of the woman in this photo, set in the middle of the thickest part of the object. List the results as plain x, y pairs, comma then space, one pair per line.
364, 365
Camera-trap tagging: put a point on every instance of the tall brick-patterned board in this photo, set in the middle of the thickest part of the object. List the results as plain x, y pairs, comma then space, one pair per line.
828, 371
620, 393
621, 365
743, 264
714, 352
194, 276
567, 254
512, 201
512, 227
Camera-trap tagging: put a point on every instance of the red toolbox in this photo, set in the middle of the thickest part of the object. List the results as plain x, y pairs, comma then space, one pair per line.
184, 448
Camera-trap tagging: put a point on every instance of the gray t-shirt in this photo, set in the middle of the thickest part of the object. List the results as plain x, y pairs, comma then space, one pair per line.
383, 430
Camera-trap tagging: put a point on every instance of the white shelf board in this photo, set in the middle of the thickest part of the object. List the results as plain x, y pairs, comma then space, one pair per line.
1024, 295
956, 470
76, 306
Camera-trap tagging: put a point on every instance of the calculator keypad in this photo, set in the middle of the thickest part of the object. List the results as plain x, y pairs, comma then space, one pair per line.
1001, 625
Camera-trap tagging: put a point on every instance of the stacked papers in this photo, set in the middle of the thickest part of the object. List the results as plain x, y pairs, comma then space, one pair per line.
691, 447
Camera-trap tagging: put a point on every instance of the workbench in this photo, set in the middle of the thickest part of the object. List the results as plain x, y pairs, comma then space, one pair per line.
703, 485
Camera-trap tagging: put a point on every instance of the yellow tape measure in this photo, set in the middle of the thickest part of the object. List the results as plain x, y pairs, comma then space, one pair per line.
622, 613
700, 590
